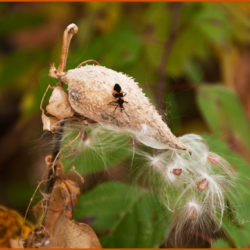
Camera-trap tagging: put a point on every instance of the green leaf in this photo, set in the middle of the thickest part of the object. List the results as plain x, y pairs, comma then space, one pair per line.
15, 21
219, 147
189, 11
102, 149
115, 50
153, 53
240, 191
173, 112
33, 106
19, 191
199, 26
190, 43
213, 22
16, 66
157, 18
193, 71
236, 220
223, 113
220, 244
240, 234
124, 215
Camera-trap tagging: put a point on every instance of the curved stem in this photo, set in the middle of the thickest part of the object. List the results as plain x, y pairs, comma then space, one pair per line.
67, 36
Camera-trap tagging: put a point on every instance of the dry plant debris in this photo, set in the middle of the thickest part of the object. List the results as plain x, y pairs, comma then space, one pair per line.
12, 227
59, 230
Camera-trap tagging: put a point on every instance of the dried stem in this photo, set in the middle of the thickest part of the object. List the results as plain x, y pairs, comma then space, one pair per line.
67, 36
56, 153
53, 166
87, 61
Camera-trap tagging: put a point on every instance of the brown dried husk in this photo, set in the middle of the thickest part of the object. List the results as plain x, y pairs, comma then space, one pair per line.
59, 105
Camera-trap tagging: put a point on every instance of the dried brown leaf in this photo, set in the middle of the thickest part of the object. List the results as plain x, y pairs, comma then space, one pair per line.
62, 201
12, 225
49, 123
70, 234
59, 105
16, 243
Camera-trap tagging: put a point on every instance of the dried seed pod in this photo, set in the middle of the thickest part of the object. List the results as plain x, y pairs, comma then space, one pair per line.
90, 91
59, 105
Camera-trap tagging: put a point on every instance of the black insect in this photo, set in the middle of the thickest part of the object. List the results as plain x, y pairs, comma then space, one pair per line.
119, 98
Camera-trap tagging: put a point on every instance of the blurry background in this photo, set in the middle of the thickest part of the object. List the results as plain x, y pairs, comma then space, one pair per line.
191, 59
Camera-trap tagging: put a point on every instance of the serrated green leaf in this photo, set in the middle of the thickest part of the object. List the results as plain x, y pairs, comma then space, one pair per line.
124, 215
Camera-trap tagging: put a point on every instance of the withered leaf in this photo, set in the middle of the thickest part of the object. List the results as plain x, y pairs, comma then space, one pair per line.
59, 105
49, 123
12, 225
70, 234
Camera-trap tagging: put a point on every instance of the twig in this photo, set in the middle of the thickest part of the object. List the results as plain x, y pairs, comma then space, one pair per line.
31, 200
57, 152
67, 36
87, 61
53, 166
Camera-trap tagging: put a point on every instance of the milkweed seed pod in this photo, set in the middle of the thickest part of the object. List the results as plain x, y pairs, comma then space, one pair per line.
90, 91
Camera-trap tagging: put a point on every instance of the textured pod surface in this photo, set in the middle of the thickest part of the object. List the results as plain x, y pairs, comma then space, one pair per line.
90, 91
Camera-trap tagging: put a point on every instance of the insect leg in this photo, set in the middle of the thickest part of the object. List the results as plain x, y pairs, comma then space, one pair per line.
113, 103
126, 113
115, 108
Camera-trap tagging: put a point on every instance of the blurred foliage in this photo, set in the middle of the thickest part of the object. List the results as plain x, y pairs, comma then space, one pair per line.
124, 215
204, 43
217, 104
